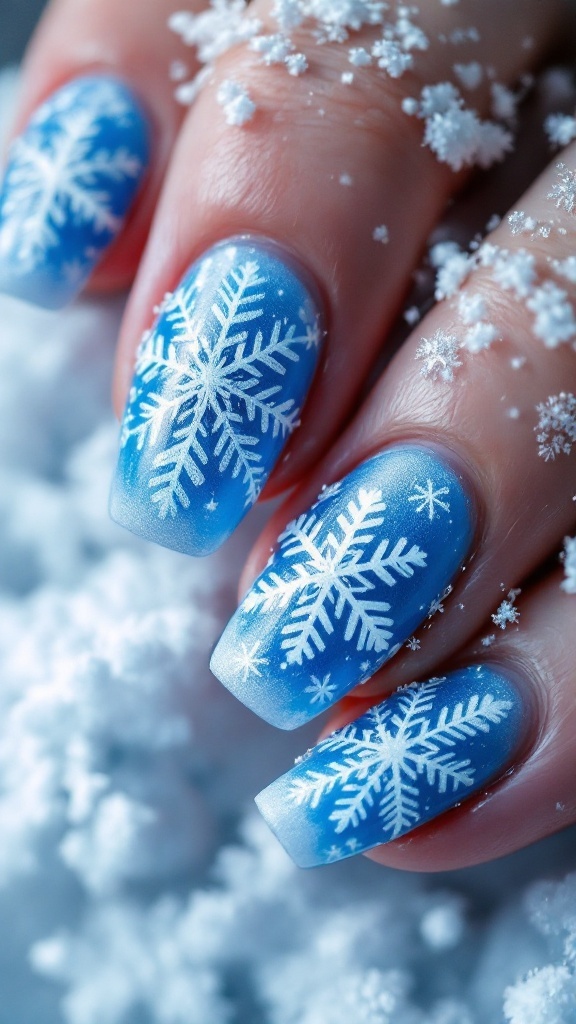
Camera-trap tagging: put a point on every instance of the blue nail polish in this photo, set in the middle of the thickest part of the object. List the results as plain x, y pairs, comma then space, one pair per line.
351, 580
423, 750
219, 384
70, 181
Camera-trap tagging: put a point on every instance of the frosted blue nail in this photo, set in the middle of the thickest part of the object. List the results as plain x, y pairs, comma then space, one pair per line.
71, 179
423, 750
351, 580
219, 384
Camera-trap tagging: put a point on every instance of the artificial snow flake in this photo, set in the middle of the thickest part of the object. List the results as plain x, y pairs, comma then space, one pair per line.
335, 578
322, 690
563, 193
439, 355
566, 268
506, 612
560, 129
430, 499
469, 75
247, 663
382, 760
569, 558
237, 105
391, 57
487, 641
359, 57
183, 381
479, 337
556, 428
555, 321
513, 271
413, 643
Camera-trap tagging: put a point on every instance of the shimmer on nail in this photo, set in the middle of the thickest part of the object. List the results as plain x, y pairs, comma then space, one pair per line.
71, 179
423, 750
219, 384
350, 581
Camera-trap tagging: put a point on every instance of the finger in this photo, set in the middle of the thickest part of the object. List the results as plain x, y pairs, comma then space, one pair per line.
96, 123
437, 745
285, 177
463, 478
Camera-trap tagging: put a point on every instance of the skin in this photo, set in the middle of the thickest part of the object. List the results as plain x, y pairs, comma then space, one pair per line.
202, 187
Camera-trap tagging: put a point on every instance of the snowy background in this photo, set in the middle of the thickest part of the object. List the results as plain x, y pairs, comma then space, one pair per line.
137, 885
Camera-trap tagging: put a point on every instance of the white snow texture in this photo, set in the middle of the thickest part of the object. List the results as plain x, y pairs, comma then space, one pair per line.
134, 888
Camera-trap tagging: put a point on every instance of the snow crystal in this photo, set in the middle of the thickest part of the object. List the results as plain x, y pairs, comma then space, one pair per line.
452, 273
456, 134
359, 57
563, 193
556, 428
392, 58
439, 355
513, 271
569, 559
479, 337
506, 612
566, 268
560, 129
237, 105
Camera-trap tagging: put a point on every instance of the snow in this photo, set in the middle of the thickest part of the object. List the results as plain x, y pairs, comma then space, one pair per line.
556, 427
234, 98
569, 558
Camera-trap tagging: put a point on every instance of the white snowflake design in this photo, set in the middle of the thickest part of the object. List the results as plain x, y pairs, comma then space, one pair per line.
62, 172
322, 690
335, 578
430, 498
210, 399
247, 662
381, 758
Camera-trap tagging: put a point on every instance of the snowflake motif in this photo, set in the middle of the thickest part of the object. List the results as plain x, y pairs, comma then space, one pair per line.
209, 397
563, 193
61, 172
556, 428
322, 690
430, 498
439, 355
413, 643
335, 577
382, 757
247, 663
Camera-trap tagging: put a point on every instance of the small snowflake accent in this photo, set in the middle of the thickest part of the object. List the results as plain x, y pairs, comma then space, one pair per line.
563, 193
556, 428
247, 663
506, 612
430, 499
413, 644
487, 641
569, 559
322, 690
439, 355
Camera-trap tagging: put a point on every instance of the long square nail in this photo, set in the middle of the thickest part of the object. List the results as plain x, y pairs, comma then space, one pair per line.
350, 581
71, 179
423, 750
219, 384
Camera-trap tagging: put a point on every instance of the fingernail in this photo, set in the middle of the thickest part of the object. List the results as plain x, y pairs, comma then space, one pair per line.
219, 384
351, 580
423, 750
71, 179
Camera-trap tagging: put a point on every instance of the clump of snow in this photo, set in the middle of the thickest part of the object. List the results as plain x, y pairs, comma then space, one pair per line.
381, 234
237, 105
507, 613
456, 133
439, 356
560, 129
563, 192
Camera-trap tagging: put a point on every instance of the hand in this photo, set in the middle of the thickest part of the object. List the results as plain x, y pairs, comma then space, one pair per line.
286, 246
